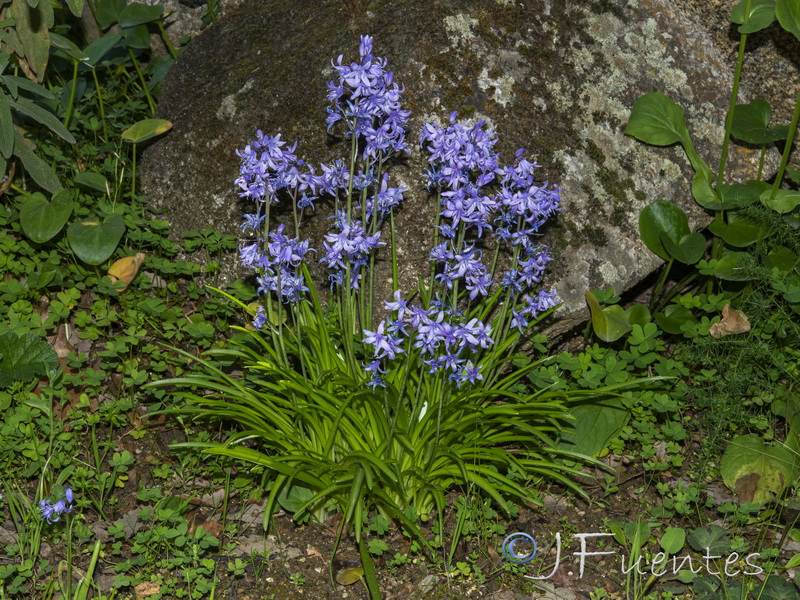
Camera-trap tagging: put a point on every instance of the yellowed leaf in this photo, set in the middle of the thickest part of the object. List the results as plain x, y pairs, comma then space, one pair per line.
733, 321
125, 269
349, 576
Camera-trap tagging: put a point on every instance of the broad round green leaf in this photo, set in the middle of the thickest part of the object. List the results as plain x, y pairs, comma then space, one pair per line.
662, 217
75, 7
139, 14
688, 250
594, 426
145, 130
751, 124
673, 317
784, 201
731, 267
702, 192
93, 241
673, 540
788, 13
42, 220
638, 314
761, 15
657, 120
609, 323
737, 195
740, 234
24, 357
781, 258
755, 471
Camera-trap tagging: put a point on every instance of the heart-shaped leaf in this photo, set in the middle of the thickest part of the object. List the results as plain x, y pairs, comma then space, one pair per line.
42, 220
99, 48
93, 241
781, 258
139, 14
107, 12
688, 250
784, 201
145, 129
137, 37
662, 217
761, 15
609, 323
711, 538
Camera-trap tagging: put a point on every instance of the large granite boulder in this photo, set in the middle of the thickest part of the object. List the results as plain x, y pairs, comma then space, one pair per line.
555, 77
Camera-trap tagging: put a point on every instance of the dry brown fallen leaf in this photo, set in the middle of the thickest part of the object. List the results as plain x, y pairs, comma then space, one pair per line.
125, 269
147, 588
733, 321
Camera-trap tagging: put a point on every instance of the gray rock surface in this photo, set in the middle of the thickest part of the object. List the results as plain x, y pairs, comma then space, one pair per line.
555, 77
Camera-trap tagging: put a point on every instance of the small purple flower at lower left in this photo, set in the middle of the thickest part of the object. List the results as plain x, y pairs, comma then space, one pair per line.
52, 512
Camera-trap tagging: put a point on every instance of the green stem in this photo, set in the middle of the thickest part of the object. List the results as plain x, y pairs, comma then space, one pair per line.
660, 283
102, 107
72, 93
150, 100
787, 150
166, 39
732, 104
133, 173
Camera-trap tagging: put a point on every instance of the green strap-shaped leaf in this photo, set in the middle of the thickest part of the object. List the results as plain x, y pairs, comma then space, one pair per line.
761, 15
28, 85
788, 13
6, 129
39, 170
43, 117
67, 47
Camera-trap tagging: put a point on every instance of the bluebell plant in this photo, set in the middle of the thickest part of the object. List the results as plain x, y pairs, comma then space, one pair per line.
357, 417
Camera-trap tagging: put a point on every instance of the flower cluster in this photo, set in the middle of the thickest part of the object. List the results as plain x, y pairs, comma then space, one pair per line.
277, 263
52, 512
439, 333
366, 98
350, 246
477, 195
